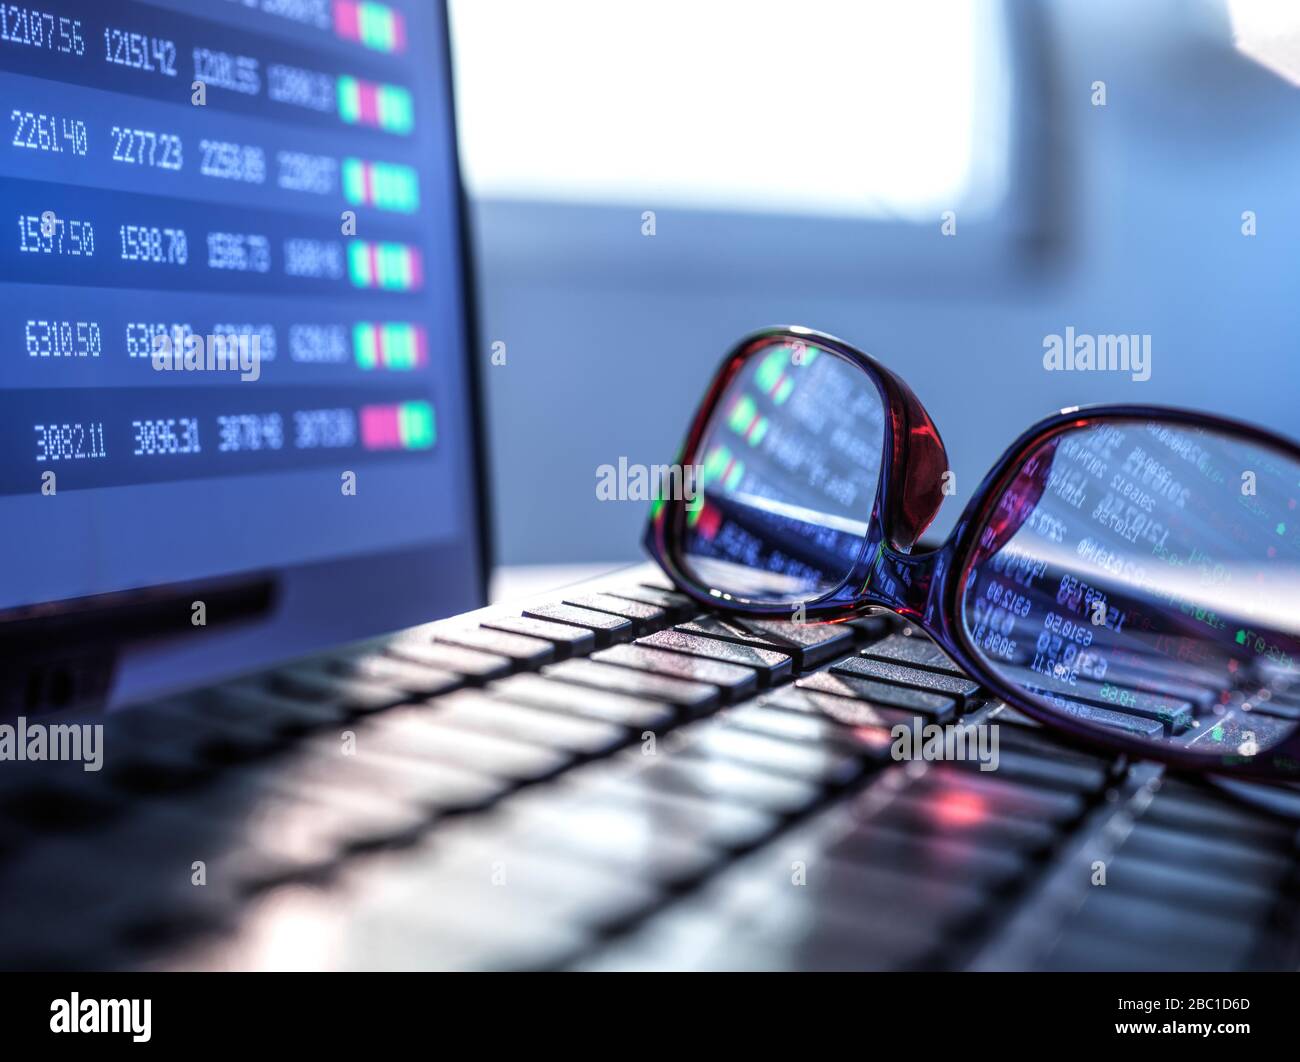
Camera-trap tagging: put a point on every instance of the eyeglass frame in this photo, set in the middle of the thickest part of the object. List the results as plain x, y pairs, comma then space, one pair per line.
913, 463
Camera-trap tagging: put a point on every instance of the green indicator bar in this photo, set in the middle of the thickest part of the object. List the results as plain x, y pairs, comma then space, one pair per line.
379, 182
359, 264
364, 345
742, 414
396, 187
770, 370
416, 425
735, 476
399, 347
392, 265
395, 113
407, 189
349, 93
354, 180
715, 464
376, 25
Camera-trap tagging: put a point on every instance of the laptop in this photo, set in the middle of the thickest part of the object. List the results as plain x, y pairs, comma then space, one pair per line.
257, 715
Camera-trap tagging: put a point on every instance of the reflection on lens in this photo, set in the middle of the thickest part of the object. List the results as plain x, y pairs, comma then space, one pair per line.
788, 471
1144, 578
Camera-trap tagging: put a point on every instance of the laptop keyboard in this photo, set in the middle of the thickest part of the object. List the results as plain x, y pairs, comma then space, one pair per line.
614, 780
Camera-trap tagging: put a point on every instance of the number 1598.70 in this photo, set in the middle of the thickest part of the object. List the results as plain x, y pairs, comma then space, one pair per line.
148, 243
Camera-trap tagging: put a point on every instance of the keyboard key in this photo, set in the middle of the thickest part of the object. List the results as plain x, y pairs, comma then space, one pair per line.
1057, 773
960, 793
486, 876
869, 737
634, 713
473, 710
251, 709
1085, 952
845, 715
165, 745
966, 819
963, 689
1041, 743
567, 640
358, 692
58, 796
386, 918
417, 733
666, 862
716, 779
414, 679
935, 707
1209, 851
1132, 724
1169, 684
819, 764
675, 606
526, 652
321, 766
474, 665
818, 642
788, 932
1181, 806
808, 644
915, 651
1169, 711
605, 627
356, 925
690, 696
735, 682
992, 869
770, 666
807, 727
1277, 708
643, 617
719, 823
877, 897
590, 801
269, 835
140, 886
1164, 929
1002, 713
1248, 901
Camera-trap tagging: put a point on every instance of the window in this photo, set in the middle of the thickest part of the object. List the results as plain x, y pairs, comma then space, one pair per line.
886, 111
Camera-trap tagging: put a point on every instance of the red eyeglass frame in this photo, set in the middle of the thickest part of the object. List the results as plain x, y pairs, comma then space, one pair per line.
925, 587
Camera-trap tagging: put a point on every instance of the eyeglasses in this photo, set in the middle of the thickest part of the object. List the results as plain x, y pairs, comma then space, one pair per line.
1129, 575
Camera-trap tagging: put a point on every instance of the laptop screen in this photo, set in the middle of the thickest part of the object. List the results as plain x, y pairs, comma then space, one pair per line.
233, 299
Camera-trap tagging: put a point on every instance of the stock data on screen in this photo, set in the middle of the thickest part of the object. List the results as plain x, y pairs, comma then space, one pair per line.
229, 278
1141, 577
788, 470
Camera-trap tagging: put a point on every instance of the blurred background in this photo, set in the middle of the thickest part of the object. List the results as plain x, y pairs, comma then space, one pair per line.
1096, 158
